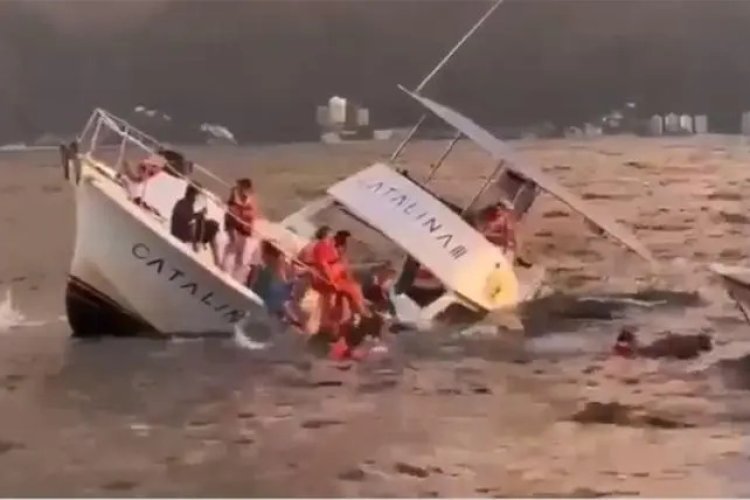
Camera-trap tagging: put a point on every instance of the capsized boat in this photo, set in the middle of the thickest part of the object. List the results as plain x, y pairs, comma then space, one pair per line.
128, 273
471, 276
467, 277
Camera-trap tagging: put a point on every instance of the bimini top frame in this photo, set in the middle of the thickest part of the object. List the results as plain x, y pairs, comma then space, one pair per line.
507, 159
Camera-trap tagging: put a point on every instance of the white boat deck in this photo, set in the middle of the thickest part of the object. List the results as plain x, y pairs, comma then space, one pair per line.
161, 222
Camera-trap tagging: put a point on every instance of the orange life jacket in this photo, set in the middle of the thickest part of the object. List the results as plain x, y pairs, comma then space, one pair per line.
306, 254
243, 208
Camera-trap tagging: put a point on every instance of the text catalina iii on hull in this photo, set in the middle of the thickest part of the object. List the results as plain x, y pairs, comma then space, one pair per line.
130, 273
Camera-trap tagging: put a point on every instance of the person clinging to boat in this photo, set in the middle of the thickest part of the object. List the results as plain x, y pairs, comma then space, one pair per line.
347, 288
350, 299
306, 254
327, 272
347, 318
377, 286
238, 222
274, 281
497, 222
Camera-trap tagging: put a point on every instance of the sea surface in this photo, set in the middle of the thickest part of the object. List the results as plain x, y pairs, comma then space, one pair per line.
444, 412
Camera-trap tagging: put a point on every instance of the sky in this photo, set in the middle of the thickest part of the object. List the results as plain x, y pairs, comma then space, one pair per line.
261, 67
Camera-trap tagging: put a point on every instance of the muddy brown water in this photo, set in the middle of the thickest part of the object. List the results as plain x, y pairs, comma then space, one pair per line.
444, 414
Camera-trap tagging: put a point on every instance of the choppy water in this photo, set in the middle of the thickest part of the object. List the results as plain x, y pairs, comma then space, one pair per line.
191, 417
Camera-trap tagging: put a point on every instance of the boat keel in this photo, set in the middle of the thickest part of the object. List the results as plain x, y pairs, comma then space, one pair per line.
93, 314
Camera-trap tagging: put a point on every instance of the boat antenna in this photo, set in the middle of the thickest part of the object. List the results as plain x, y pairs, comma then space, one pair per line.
434, 72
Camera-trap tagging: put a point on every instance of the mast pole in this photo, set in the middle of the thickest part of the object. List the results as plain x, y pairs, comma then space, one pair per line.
455, 48
435, 71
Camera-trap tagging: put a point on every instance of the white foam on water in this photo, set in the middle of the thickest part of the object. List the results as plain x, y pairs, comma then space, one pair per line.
242, 340
10, 317
565, 343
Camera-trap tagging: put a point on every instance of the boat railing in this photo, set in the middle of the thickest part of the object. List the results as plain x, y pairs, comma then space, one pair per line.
90, 141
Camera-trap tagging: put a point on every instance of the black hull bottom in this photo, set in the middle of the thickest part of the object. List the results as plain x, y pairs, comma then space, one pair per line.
93, 314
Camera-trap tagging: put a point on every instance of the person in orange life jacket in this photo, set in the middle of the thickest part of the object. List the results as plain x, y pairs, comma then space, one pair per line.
313, 273
498, 224
344, 281
330, 280
306, 254
242, 210
347, 298
322, 257
305, 277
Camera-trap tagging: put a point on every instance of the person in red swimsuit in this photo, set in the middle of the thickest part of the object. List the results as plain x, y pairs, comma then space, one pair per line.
242, 210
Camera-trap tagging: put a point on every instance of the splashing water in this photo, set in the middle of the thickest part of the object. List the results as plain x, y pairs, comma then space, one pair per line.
242, 340
10, 317
246, 334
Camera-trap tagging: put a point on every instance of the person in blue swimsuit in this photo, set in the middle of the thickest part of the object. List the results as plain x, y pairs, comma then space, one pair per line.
273, 282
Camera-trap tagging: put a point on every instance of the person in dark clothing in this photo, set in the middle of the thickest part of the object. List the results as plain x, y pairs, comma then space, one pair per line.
191, 226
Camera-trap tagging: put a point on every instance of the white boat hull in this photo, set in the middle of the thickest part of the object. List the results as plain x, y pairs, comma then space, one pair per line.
736, 280
129, 275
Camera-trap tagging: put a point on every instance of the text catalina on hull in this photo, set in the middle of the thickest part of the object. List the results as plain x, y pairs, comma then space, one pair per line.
173, 274
425, 220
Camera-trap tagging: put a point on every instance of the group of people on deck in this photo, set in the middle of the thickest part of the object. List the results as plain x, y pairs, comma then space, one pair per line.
283, 281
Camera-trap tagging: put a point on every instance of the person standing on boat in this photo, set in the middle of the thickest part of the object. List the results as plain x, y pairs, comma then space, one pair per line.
238, 222
191, 226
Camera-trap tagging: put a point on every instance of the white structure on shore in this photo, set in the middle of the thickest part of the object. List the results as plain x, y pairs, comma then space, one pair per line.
686, 124
656, 125
674, 124
341, 120
745, 123
700, 124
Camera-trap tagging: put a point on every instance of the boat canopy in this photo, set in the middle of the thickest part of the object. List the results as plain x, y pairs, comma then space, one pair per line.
501, 152
428, 230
